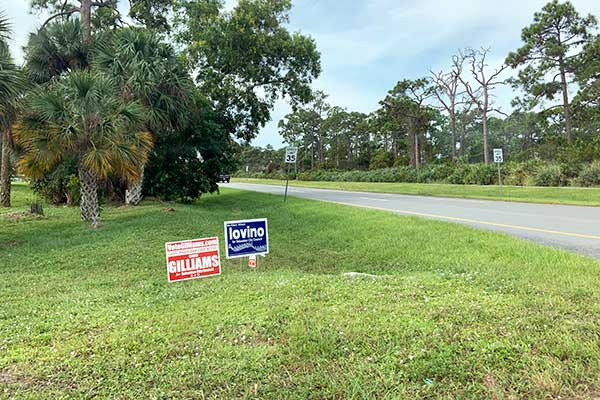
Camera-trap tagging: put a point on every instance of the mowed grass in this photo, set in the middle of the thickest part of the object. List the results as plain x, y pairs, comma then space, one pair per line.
454, 312
529, 194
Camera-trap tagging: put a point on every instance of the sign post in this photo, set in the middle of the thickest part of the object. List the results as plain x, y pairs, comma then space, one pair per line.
291, 154
499, 159
191, 259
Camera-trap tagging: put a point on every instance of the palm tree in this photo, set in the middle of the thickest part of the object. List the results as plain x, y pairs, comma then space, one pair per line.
11, 86
82, 116
148, 70
56, 48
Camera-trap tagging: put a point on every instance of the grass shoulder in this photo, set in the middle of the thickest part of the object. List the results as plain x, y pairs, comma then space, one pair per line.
529, 194
454, 312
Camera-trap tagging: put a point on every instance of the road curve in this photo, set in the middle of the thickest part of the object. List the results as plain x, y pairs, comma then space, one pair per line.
574, 228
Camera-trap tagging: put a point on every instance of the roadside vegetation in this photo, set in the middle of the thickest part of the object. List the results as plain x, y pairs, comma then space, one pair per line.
453, 312
515, 174
443, 126
528, 194
108, 110
104, 112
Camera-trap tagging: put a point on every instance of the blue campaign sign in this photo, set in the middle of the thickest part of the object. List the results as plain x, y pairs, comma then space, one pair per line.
246, 238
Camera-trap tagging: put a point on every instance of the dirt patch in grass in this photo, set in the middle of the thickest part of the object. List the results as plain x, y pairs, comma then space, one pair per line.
10, 376
22, 216
8, 244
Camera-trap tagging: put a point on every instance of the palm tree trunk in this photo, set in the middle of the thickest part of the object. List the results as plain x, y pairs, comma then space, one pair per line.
5, 171
133, 194
88, 189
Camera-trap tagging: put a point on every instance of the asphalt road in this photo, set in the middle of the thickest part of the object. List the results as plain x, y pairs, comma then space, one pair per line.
574, 228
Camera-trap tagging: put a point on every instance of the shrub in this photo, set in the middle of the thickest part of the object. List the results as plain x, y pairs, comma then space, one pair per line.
518, 175
381, 159
461, 174
60, 185
533, 172
483, 174
549, 175
589, 176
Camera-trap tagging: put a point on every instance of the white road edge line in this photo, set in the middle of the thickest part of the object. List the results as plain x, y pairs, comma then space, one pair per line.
473, 221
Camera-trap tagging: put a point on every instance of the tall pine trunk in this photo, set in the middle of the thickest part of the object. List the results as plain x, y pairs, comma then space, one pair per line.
88, 189
417, 152
486, 156
566, 107
484, 112
5, 168
86, 20
463, 123
453, 134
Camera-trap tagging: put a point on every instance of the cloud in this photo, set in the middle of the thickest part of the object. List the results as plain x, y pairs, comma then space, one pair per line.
369, 45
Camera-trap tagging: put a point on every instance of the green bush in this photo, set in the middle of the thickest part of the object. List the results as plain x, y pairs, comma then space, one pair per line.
381, 159
533, 172
549, 175
461, 174
589, 175
60, 185
483, 174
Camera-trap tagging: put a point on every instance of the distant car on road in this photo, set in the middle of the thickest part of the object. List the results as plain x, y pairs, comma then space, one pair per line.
224, 177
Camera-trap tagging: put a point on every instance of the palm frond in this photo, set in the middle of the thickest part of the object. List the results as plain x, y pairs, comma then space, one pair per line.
82, 115
5, 26
12, 84
56, 49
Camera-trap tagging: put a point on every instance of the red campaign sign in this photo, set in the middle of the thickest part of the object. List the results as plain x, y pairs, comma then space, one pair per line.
252, 261
191, 259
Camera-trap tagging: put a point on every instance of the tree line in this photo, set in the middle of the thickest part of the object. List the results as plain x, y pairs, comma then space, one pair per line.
450, 115
109, 110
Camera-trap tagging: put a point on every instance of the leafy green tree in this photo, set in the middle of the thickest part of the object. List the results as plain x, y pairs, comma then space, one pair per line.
586, 103
390, 130
256, 158
12, 85
246, 59
82, 117
187, 162
345, 132
408, 101
147, 70
381, 159
549, 56
305, 128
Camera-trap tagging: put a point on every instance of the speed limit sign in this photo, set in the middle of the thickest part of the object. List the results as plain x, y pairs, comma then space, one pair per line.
290, 155
498, 156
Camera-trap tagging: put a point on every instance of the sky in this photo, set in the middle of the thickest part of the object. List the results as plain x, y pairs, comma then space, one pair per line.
367, 46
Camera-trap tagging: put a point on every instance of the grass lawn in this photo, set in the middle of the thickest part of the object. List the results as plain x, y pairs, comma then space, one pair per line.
455, 312
529, 194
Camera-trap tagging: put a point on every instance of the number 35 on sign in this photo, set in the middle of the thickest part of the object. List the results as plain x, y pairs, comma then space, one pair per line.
498, 156
291, 154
